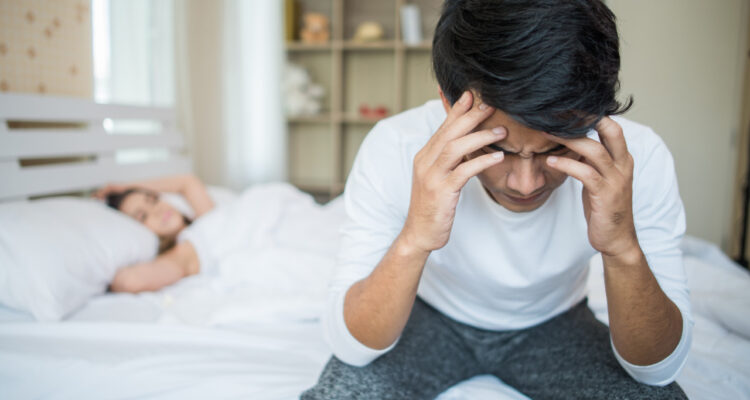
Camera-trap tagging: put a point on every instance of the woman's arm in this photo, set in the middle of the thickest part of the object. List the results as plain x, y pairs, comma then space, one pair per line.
187, 185
166, 269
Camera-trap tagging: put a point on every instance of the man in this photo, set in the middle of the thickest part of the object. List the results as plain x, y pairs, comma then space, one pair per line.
471, 222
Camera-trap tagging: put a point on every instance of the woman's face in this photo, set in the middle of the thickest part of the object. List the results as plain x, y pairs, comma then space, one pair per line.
157, 215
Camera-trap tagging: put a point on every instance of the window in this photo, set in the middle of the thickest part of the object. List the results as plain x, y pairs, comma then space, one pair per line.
133, 44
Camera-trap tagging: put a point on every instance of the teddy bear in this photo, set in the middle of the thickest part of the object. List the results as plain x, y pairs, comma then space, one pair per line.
316, 29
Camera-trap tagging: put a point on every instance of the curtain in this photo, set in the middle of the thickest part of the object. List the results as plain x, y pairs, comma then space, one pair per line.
253, 64
229, 60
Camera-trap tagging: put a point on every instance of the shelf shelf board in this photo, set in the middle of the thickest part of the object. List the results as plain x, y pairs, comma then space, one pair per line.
423, 46
358, 119
377, 45
317, 118
298, 46
302, 46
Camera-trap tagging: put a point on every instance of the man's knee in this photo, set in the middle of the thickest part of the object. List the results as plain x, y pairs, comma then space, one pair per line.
343, 381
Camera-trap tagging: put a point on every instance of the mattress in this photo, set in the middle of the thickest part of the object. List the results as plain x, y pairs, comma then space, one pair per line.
197, 340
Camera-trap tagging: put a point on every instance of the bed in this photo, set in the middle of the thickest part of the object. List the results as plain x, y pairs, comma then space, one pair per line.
223, 335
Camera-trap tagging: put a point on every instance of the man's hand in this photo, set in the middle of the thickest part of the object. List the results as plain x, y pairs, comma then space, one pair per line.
644, 323
606, 171
377, 307
441, 170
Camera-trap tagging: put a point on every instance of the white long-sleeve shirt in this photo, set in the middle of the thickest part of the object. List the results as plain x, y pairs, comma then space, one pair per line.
502, 270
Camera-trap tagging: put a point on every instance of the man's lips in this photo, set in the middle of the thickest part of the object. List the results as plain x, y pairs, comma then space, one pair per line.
525, 200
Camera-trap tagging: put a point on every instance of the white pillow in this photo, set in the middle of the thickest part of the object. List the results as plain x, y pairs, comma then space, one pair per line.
57, 253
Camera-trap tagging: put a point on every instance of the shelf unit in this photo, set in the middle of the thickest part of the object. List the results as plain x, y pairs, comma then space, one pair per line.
386, 73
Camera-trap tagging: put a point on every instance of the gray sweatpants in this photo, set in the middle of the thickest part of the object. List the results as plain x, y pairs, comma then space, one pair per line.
567, 357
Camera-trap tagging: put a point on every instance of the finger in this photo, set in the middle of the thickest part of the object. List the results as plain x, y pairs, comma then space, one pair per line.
460, 107
592, 150
435, 144
467, 122
455, 150
466, 170
610, 133
585, 173
462, 126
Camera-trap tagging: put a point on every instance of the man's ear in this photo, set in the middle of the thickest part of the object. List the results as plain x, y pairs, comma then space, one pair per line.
446, 103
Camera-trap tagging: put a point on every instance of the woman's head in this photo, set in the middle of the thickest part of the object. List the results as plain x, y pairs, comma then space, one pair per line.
146, 207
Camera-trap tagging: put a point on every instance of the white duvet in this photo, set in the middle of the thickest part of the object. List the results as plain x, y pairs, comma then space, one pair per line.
247, 327
273, 248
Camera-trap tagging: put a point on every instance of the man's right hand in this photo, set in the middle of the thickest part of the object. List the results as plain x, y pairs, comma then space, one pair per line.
377, 308
442, 168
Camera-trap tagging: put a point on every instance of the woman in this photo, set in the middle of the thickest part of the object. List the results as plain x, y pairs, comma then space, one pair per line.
141, 201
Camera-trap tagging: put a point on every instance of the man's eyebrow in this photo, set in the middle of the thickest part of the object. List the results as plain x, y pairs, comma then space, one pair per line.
500, 148
554, 148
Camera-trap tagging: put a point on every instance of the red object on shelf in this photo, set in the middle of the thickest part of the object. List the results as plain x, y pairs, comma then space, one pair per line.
378, 112
364, 110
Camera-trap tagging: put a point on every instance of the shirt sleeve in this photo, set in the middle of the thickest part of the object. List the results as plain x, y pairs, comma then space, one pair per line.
660, 225
375, 212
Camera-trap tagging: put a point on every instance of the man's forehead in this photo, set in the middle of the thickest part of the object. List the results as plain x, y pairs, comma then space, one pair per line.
520, 137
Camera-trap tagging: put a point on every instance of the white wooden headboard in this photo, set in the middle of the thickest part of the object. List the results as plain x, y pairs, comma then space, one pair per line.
85, 136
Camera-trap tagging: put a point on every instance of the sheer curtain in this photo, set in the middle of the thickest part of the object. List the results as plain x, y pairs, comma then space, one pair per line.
229, 64
253, 63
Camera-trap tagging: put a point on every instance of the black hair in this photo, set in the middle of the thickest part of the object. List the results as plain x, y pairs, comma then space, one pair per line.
115, 199
552, 65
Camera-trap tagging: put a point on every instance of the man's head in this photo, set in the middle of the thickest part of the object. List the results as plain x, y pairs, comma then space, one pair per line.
552, 65
546, 66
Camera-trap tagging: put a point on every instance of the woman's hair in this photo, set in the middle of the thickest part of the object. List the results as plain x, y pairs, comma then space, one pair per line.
115, 201
550, 64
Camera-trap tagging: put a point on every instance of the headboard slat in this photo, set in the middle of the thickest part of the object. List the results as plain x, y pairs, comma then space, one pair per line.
52, 179
50, 108
50, 143
84, 137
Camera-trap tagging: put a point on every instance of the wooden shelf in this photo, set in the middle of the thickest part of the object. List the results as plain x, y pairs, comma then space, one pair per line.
318, 119
336, 118
302, 46
358, 119
426, 45
355, 45
388, 72
379, 45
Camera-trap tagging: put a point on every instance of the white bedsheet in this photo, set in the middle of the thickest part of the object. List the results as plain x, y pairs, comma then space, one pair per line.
222, 337
115, 360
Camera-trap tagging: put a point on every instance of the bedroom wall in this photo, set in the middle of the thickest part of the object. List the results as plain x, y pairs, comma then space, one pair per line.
45, 47
198, 102
742, 162
683, 60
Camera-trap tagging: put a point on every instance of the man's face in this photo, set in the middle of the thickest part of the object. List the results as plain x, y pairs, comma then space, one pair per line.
523, 181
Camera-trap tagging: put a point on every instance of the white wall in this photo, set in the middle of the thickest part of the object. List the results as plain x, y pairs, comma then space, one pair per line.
683, 60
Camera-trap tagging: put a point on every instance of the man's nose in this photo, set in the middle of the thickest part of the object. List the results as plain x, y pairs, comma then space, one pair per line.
526, 176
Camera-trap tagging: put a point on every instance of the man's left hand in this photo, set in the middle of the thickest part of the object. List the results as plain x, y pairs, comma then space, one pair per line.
606, 171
